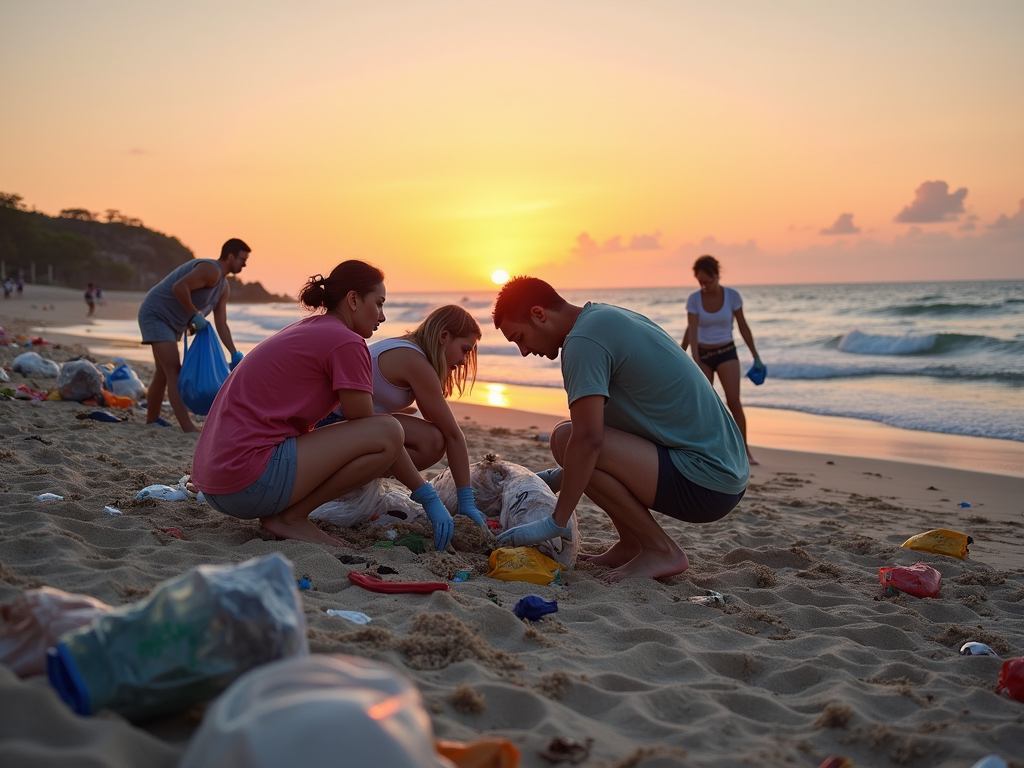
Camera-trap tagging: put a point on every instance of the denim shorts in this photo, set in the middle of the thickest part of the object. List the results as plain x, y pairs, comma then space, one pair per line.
268, 495
154, 329
684, 500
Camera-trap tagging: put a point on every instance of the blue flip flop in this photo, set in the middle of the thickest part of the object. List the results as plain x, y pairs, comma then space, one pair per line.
159, 422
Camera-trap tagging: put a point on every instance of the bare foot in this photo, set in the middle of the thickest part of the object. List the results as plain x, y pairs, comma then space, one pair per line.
650, 564
618, 554
303, 530
752, 461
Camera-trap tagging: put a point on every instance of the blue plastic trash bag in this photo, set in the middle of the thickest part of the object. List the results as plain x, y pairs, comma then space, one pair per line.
184, 643
757, 373
122, 380
203, 370
533, 607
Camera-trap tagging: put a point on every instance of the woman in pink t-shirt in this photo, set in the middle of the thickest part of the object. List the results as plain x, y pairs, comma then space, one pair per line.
258, 455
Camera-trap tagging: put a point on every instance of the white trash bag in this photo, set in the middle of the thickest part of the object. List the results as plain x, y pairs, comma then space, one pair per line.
514, 495
507, 492
381, 501
31, 364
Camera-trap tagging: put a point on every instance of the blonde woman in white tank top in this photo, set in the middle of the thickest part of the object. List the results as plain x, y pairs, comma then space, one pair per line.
710, 313
425, 366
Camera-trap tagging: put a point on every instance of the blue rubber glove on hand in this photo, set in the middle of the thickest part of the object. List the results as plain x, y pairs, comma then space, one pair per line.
467, 507
533, 533
443, 524
236, 358
197, 322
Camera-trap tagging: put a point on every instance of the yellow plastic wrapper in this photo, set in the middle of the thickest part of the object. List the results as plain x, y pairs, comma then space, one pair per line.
941, 541
522, 564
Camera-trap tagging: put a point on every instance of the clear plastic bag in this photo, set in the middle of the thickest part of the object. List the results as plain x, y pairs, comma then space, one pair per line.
80, 380
377, 500
317, 711
185, 643
34, 621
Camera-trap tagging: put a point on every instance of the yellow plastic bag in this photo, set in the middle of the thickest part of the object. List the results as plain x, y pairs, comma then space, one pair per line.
522, 564
940, 541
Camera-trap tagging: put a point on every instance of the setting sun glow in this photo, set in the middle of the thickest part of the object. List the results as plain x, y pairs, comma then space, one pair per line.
499, 277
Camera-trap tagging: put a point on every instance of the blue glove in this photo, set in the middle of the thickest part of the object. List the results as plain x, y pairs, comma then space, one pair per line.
197, 322
443, 524
467, 507
533, 533
236, 358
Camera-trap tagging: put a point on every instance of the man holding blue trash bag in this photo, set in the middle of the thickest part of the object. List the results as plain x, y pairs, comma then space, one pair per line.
181, 302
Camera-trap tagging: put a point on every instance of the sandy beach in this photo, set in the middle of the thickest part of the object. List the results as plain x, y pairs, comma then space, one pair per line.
805, 659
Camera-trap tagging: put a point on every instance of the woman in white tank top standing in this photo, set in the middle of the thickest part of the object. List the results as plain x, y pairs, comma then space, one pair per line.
710, 313
424, 367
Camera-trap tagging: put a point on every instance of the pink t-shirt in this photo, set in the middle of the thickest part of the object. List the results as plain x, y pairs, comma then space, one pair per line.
284, 386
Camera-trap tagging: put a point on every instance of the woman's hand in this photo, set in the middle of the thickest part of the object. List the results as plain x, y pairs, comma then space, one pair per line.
467, 507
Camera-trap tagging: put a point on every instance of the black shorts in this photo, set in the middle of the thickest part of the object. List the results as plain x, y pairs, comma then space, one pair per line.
684, 500
715, 356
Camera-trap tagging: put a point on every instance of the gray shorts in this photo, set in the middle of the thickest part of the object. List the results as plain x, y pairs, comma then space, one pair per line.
268, 495
154, 329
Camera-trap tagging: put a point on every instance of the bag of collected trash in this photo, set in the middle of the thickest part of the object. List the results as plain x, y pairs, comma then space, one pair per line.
79, 380
34, 621
919, 579
522, 564
123, 381
1011, 679
515, 496
31, 364
203, 371
184, 643
940, 541
379, 500
321, 710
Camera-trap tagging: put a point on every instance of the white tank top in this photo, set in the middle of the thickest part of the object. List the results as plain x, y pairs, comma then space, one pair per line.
388, 398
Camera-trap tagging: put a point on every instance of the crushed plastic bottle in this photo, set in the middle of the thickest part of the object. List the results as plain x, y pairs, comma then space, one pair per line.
164, 492
48, 497
976, 649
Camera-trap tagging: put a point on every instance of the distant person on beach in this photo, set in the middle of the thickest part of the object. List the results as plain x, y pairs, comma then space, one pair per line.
8, 287
90, 299
258, 455
710, 313
646, 430
20, 285
178, 303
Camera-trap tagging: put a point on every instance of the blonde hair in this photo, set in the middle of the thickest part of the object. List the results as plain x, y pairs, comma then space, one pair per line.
427, 336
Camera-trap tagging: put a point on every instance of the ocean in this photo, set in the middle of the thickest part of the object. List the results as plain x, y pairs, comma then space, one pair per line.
944, 357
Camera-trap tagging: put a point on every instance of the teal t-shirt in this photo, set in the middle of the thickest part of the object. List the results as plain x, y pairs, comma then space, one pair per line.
654, 390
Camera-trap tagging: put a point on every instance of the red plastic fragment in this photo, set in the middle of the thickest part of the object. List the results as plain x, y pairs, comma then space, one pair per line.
377, 584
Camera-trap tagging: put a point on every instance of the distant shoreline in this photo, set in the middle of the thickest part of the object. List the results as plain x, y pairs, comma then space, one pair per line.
769, 427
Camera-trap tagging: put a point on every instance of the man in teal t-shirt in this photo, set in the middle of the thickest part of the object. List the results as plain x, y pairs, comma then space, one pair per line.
646, 430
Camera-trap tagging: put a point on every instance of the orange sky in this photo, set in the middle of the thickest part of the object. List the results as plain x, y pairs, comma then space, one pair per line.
595, 144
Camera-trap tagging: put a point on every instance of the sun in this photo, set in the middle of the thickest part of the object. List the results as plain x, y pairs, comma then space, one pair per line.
499, 277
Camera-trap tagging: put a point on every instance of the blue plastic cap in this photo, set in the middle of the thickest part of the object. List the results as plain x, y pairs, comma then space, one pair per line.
63, 675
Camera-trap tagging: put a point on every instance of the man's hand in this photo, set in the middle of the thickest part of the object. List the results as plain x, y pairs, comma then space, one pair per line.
533, 533
197, 322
